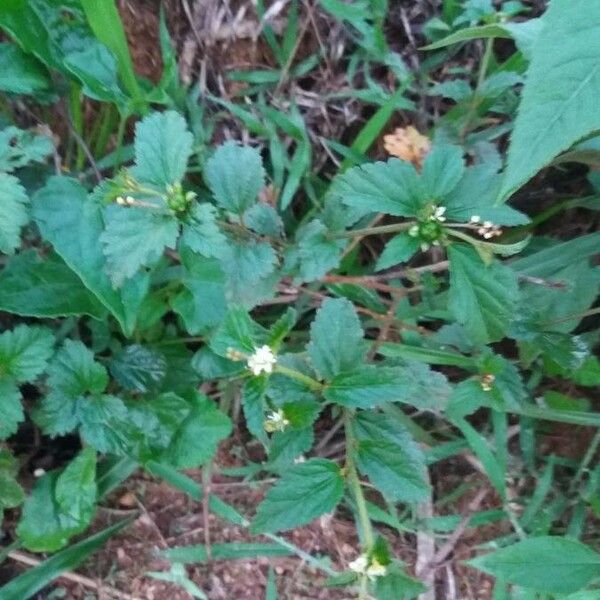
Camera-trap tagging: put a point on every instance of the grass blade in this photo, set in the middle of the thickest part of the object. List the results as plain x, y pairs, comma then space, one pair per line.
30, 582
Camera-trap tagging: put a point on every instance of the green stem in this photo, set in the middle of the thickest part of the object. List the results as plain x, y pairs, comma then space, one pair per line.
311, 383
392, 228
77, 119
120, 137
354, 483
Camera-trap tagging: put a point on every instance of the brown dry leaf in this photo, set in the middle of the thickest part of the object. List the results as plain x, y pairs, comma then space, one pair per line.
408, 144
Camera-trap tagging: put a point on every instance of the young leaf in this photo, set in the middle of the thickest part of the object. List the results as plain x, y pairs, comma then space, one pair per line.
75, 489
546, 564
335, 338
134, 238
303, 493
235, 176
482, 298
19, 147
202, 234
317, 253
398, 250
163, 146
138, 368
562, 84
13, 212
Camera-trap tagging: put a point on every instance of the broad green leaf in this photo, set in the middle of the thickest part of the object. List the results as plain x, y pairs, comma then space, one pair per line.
24, 352
73, 224
75, 490
482, 297
558, 105
249, 268
366, 386
135, 238
239, 332
14, 214
100, 419
163, 146
202, 234
44, 526
305, 492
197, 438
288, 445
11, 410
96, 68
34, 287
21, 73
546, 564
19, 147
11, 493
398, 250
397, 585
443, 168
33, 580
391, 187
335, 339
317, 252
235, 176
432, 356
138, 368
202, 304
388, 455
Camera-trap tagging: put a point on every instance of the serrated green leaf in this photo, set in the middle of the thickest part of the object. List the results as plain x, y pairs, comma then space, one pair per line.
288, 445
73, 224
335, 338
24, 352
34, 287
74, 371
11, 493
75, 490
44, 527
198, 436
235, 176
397, 585
249, 269
238, 331
202, 304
558, 101
317, 252
100, 417
305, 492
398, 250
14, 213
135, 238
443, 168
253, 405
163, 146
546, 564
482, 297
19, 147
391, 187
11, 410
202, 234
388, 455
138, 368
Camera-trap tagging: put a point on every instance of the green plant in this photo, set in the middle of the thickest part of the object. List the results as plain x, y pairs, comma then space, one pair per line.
129, 293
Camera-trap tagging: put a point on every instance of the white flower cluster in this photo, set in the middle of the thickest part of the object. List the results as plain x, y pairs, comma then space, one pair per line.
126, 201
487, 382
262, 361
371, 569
486, 229
275, 421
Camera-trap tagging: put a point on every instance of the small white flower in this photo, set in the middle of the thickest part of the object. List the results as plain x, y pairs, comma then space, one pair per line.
413, 231
475, 219
236, 355
39, 472
375, 569
360, 564
439, 214
275, 421
488, 224
487, 382
424, 247
300, 459
262, 361
489, 230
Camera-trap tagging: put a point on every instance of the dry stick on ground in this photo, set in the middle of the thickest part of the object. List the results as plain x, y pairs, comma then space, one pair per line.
31, 561
449, 545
